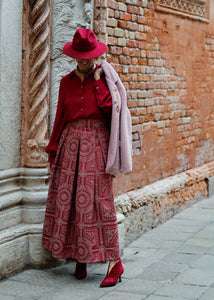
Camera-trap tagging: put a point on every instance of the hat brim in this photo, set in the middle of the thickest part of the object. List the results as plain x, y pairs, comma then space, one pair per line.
99, 50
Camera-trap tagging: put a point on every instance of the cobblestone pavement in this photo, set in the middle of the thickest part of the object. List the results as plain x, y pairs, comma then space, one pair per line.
173, 261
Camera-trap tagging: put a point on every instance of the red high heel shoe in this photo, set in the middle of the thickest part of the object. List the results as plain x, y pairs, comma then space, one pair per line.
81, 270
113, 276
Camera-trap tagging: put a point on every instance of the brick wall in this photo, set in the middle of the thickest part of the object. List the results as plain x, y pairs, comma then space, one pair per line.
166, 62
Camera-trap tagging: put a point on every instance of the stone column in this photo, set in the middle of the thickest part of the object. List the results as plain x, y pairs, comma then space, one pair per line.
35, 124
35, 82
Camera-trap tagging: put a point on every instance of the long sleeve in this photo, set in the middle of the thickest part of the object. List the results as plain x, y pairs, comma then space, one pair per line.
58, 127
103, 95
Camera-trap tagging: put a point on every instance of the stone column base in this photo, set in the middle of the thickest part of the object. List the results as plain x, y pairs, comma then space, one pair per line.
23, 194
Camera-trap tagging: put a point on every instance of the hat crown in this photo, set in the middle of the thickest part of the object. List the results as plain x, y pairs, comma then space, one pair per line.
84, 45
84, 39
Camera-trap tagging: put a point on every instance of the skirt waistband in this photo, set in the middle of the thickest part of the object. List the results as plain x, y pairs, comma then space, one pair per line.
92, 124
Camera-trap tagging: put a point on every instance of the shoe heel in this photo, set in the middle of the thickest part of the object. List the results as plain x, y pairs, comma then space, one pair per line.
120, 279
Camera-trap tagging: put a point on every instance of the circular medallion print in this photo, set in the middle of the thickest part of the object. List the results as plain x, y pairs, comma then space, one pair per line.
64, 196
86, 147
83, 199
83, 251
72, 146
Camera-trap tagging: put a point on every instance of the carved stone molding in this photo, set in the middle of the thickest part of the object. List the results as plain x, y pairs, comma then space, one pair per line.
196, 9
35, 82
67, 17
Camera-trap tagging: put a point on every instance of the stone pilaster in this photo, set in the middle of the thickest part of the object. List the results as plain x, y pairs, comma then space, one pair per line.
35, 82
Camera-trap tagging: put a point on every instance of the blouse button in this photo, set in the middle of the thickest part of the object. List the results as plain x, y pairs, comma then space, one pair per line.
82, 97
81, 109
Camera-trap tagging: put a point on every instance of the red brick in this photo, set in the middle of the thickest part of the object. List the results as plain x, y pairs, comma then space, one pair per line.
134, 69
142, 77
149, 118
170, 93
141, 119
121, 24
110, 31
134, 18
132, 9
112, 4
134, 52
140, 111
140, 36
135, 120
118, 69
132, 26
112, 22
126, 51
134, 85
133, 103
132, 44
125, 77
112, 40
126, 85
141, 20
134, 77
125, 17
142, 61
125, 60
116, 14
134, 60
151, 54
150, 62
115, 59
115, 50
110, 13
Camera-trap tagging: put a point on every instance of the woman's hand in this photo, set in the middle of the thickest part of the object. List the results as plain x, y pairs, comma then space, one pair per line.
98, 73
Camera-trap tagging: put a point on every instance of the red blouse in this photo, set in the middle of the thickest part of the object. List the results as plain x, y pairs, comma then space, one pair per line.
88, 99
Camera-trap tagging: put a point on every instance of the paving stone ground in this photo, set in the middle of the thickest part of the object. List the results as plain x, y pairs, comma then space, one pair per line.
174, 261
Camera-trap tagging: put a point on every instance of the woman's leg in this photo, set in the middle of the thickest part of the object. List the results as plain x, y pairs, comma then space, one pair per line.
114, 273
111, 265
81, 270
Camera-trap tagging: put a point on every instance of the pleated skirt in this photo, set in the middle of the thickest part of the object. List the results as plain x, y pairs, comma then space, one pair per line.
80, 219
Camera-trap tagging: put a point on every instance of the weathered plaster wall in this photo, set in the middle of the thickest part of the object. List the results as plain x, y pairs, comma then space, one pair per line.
10, 82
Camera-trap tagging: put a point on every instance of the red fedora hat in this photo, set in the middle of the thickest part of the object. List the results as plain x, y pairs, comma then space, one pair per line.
84, 45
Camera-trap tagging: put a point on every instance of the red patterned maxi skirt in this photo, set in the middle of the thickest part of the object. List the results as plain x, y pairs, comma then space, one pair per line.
80, 219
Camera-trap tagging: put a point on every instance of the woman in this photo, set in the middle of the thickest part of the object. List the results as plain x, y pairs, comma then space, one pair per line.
80, 220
